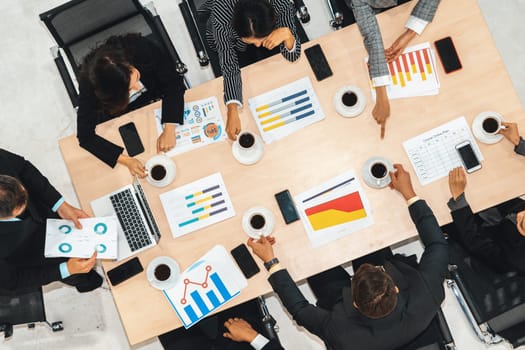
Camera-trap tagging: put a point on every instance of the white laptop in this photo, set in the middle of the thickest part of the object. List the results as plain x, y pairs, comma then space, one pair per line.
137, 229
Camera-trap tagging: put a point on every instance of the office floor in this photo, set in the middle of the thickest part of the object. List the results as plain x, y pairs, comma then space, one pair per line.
36, 112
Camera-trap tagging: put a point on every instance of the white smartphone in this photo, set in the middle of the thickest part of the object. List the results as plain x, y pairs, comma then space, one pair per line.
470, 161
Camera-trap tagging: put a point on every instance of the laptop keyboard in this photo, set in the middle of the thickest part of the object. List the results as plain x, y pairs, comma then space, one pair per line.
130, 220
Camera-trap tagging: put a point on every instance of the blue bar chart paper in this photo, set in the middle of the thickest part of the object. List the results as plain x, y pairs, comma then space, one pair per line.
196, 205
285, 110
205, 286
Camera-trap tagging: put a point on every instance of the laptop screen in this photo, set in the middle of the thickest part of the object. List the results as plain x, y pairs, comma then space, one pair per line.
143, 202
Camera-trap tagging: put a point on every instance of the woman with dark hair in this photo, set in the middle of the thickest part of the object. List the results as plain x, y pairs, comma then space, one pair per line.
234, 24
123, 74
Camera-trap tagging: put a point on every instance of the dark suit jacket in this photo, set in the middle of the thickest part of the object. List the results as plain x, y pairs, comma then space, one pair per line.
22, 262
501, 246
273, 345
420, 296
161, 81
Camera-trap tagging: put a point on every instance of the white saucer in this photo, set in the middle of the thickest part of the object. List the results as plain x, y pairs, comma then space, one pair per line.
353, 111
171, 281
372, 181
267, 228
169, 165
250, 157
477, 128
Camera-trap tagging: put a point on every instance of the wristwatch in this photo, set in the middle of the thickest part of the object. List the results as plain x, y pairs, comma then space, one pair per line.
268, 265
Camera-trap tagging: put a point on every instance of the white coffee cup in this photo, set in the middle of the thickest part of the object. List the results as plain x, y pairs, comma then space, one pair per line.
491, 125
379, 171
161, 170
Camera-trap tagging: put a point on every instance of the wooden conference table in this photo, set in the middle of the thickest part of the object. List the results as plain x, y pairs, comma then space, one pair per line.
315, 154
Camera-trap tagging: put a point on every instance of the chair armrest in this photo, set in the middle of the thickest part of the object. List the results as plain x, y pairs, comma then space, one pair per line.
64, 74
193, 30
302, 11
267, 320
335, 13
180, 67
443, 327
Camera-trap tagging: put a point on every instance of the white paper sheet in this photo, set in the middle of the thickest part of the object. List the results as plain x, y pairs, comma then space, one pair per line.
433, 154
196, 205
282, 111
203, 125
63, 239
334, 209
413, 73
207, 284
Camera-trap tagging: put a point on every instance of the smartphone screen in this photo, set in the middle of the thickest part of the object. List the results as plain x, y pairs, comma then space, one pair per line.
131, 139
318, 62
448, 54
470, 161
124, 271
245, 261
287, 207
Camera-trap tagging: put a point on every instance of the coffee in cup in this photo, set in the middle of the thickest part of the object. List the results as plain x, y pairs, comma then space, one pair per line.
162, 272
257, 221
379, 170
246, 140
491, 125
349, 98
158, 172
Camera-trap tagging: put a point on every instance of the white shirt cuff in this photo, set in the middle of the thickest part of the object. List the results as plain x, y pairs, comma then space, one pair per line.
381, 81
416, 24
294, 47
412, 200
239, 103
58, 204
259, 342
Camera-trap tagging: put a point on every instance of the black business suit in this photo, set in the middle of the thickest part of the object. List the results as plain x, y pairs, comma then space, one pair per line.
420, 295
500, 246
159, 78
22, 261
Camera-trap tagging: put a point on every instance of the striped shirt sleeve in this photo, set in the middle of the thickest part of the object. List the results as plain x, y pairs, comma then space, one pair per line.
286, 18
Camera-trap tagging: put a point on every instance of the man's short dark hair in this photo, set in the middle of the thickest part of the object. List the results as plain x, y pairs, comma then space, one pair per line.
373, 291
12, 195
253, 18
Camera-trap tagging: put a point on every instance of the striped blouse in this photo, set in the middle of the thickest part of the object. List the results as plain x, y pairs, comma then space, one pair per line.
223, 39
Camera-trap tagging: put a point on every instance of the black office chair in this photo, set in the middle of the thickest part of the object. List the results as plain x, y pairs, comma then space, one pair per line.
199, 336
78, 26
493, 303
196, 22
23, 307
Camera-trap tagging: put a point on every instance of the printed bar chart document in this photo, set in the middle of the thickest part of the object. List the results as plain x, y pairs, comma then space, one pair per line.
196, 205
282, 111
206, 285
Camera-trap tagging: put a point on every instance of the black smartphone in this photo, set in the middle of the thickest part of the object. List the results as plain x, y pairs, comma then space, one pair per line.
448, 54
245, 261
131, 139
318, 62
468, 157
124, 271
287, 207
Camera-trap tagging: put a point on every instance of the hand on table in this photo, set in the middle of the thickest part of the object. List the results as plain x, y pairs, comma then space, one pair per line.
81, 265
233, 124
68, 212
381, 110
401, 182
277, 36
134, 165
399, 45
262, 248
167, 139
239, 330
457, 182
511, 132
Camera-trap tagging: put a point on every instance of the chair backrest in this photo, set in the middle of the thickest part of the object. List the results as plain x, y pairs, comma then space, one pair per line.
79, 26
20, 307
